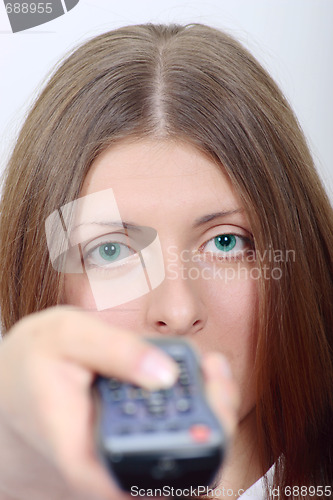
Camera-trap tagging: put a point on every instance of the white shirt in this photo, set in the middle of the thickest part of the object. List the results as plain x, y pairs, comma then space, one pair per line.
257, 490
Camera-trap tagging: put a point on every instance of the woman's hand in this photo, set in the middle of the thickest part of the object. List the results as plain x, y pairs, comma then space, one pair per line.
47, 364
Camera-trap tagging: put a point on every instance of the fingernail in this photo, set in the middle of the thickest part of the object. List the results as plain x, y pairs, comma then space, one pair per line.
157, 370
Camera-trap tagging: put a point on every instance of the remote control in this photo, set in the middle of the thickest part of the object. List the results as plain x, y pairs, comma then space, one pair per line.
152, 439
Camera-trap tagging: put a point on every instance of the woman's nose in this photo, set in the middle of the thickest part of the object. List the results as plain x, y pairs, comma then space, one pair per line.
176, 307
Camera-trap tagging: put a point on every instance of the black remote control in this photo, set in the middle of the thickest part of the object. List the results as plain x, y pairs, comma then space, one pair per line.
152, 439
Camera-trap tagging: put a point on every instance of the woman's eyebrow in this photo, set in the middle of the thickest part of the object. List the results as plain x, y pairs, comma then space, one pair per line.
209, 217
120, 224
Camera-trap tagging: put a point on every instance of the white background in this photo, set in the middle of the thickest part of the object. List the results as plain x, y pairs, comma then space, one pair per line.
293, 39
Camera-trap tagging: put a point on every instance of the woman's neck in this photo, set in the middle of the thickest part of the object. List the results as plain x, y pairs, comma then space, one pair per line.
241, 467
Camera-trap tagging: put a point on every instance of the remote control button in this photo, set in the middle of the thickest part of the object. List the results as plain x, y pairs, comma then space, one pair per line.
185, 391
156, 397
183, 405
113, 383
129, 408
179, 358
182, 368
184, 379
200, 433
136, 393
116, 395
156, 409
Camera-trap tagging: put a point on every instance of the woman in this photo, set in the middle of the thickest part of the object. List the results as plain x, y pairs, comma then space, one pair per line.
196, 142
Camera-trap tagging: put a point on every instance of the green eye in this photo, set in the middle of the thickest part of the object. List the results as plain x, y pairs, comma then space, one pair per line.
109, 251
225, 242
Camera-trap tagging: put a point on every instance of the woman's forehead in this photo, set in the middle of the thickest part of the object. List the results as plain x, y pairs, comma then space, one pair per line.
160, 172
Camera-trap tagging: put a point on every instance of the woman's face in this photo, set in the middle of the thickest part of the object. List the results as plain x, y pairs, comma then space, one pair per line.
207, 293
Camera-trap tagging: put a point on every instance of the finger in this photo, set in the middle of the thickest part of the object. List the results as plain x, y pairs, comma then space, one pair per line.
222, 392
107, 350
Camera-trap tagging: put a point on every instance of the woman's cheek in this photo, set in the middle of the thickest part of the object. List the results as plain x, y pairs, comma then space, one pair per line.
77, 291
232, 309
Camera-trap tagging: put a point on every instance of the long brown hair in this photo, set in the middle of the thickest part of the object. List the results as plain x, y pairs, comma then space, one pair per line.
199, 85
